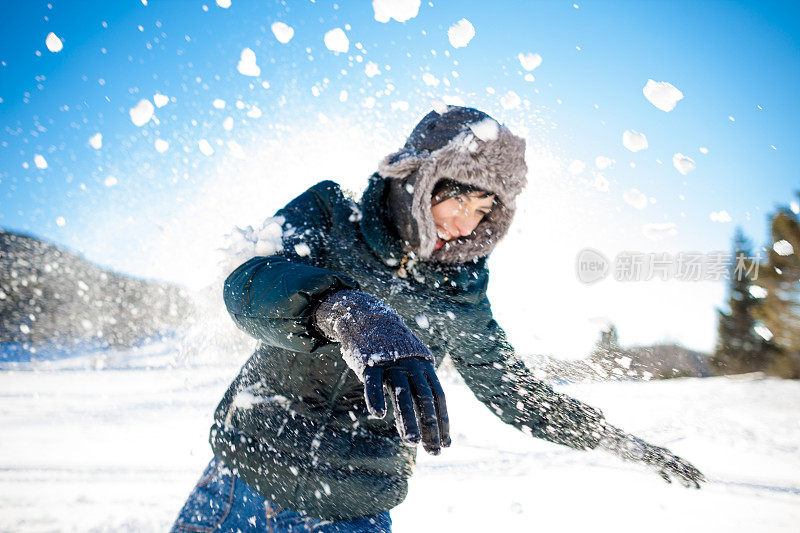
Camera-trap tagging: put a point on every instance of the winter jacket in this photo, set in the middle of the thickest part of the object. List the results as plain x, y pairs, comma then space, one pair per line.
294, 424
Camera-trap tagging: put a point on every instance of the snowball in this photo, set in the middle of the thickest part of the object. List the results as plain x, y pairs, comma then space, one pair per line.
486, 130
110, 181
161, 146
764, 332
683, 163
254, 112
634, 141
336, 41
400, 105
247, 63
576, 167
758, 291
142, 113
61, 221
783, 247
430, 80
719, 216
40, 161
603, 162
662, 94
282, 32
96, 141
53, 43
205, 147
160, 100
439, 106
510, 100
218, 103
399, 10
372, 69
461, 33
530, 61
703, 150
635, 198
228, 123
657, 231
224, 4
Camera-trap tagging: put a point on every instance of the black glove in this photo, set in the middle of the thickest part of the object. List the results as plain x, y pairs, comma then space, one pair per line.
663, 461
417, 397
383, 352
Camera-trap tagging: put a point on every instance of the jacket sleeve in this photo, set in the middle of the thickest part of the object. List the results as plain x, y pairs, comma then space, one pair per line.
500, 380
272, 298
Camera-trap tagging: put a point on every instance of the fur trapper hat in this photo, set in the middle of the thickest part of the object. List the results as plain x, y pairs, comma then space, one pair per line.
465, 145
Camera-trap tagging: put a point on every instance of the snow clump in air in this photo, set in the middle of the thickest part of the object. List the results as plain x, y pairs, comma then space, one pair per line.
529, 78
783, 247
160, 99
662, 94
430, 80
161, 146
110, 181
40, 161
205, 147
576, 167
683, 163
635, 198
224, 4
247, 63
336, 41
236, 150
530, 61
634, 141
440, 106
53, 43
720, 216
228, 123
61, 221
254, 112
486, 130
372, 70
142, 113
400, 105
795, 208
283, 32
218, 103
399, 10
461, 33
657, 231
245, 243
603, 162
96, 141
511, 100
703, 150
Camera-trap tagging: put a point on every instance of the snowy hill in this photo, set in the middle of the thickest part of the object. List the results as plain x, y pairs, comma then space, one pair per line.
49, 295
120, 449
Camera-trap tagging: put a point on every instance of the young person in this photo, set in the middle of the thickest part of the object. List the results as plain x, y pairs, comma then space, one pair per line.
318, 431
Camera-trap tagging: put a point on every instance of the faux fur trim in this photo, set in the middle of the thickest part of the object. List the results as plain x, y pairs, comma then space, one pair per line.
496, 165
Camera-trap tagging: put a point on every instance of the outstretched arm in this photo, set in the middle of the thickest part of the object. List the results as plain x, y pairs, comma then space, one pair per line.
500, 380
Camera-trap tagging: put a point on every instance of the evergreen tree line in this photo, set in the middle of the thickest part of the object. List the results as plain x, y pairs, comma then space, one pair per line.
760, 329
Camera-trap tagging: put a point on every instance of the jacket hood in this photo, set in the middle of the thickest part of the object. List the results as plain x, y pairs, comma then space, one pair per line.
465, 145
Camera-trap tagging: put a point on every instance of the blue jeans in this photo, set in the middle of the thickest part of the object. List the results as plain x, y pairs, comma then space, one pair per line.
221, 501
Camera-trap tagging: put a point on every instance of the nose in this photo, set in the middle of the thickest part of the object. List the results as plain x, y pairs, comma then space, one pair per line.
463, 225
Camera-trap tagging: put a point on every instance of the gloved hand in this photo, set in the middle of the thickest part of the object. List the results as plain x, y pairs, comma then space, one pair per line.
664, 462
384, 353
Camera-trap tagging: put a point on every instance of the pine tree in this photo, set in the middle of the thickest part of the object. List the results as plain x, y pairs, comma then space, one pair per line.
779, 310
739, 348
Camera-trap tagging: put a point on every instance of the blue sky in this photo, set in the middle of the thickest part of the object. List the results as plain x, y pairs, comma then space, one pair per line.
730, 59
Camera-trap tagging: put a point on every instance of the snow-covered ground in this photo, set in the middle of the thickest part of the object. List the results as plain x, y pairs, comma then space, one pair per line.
120, 448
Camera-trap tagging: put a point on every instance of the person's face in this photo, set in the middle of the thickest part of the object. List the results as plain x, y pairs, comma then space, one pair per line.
459, 216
